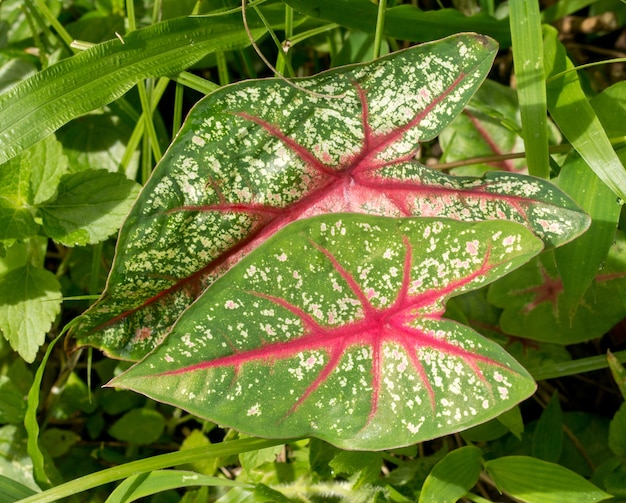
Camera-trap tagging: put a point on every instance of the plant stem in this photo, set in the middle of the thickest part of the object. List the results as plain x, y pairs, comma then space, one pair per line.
574, 367
108, 475
380, 25
554, 149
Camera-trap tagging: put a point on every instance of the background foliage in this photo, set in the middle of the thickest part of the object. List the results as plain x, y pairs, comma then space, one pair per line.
93, 93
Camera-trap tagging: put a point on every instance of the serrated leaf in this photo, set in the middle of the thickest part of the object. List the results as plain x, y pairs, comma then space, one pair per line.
535, 307
532, 480
30, 300
255, 156
98, 141
90, 206
16, 218
309, 337
366, 465
47, 164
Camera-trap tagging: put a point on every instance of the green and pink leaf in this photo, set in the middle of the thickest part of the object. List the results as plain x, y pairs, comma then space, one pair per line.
535, 305
308, 336
256, 156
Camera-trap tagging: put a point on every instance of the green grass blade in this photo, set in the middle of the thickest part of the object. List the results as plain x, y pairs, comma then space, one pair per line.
531, 90
573, 114
578, 261
38, 106
149, 483
403, 22
120, 472
31, 424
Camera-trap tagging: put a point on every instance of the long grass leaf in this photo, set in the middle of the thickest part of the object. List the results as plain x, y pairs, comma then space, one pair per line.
573, 114
32, 426
35, 108
531, 90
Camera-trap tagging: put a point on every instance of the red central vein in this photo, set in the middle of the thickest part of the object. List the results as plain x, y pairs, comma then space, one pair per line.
274, 218
368, 309
376, 327
378, 143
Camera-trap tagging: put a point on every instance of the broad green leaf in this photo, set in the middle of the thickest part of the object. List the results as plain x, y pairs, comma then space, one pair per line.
366, 465
72, 397
610, 105
253, 459
309, 337
532, 480
47, 164
206, 466
11, 490
485, 432
403, 22
15, 464
37, 107
548, 436
139, 426
15, 70
30, 300
154, 482
484, 317
617, 432
570, 109
535, 307
453, 476
27, 180
12, 402
513, 421
254, 156
57, 441
16, 217
98, 141
89, 207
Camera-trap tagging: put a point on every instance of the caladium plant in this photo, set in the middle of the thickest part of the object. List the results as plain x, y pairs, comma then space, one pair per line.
296, 258
308, 336
255, 156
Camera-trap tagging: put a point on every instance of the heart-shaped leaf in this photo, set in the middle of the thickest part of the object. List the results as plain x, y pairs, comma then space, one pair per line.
308, 336
255, 156
535, 306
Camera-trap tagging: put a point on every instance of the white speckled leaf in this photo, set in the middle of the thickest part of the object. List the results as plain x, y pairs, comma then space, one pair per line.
255, 156
308, 336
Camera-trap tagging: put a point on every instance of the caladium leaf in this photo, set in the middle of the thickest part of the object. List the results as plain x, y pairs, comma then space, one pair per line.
308, 336
254, 156
535, 306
